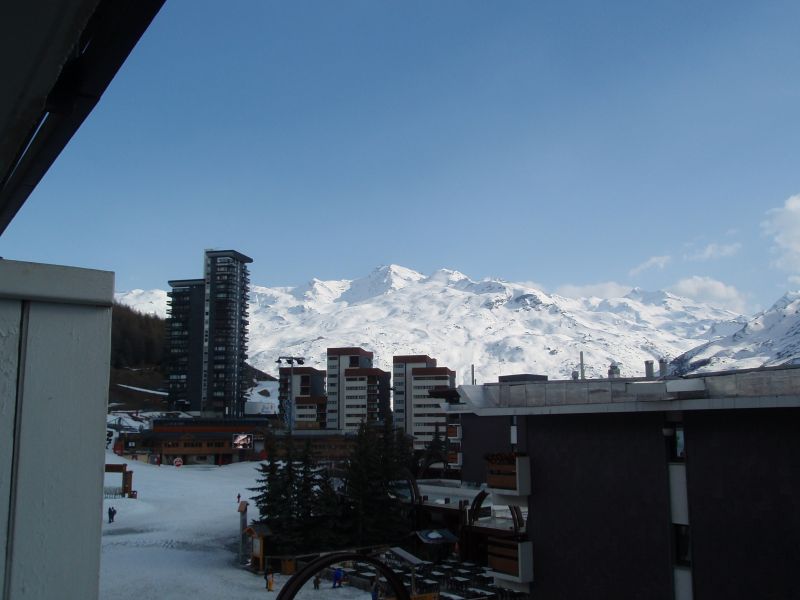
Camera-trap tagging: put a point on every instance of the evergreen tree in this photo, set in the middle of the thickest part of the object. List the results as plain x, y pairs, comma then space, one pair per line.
268, 494
329, 528
363, 491
305, 499
288, 511
435, 451
374, 509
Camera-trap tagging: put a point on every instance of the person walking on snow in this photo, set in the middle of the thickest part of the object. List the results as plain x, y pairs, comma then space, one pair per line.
111, 514
337, 577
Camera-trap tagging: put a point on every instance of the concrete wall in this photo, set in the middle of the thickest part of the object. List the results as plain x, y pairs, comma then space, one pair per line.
599, 513
743, 475
55, 326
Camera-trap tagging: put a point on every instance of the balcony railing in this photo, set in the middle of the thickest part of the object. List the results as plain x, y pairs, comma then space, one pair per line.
511, 559
454, 432
509, 474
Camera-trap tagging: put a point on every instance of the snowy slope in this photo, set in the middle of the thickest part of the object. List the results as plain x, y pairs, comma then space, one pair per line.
146, 301
179, 538
770, 338
499, 326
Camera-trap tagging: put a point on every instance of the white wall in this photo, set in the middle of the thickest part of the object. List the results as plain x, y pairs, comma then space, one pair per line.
55, 338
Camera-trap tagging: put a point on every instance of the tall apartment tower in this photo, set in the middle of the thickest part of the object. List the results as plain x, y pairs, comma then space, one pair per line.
402, 367
356, 391
185, 343
307, 385
207, 337
414, 409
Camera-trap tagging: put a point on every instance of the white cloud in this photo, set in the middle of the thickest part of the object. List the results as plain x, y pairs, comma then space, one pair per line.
713, 251
652, 262
606, 289
711, 291
783, 224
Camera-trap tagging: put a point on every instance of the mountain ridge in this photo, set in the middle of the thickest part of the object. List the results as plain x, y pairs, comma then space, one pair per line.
501, 327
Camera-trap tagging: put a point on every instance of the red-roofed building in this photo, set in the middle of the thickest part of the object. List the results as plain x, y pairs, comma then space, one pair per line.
339, 361
419, 414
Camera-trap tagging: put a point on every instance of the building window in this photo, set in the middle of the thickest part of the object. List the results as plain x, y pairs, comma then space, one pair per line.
683, 547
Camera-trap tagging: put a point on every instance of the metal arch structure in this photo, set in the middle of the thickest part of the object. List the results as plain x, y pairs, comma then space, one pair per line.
516, 513
416, 497
477, 502
517, 518
299, 579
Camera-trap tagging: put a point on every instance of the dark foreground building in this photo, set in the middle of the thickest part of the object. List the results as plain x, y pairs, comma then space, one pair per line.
670, 488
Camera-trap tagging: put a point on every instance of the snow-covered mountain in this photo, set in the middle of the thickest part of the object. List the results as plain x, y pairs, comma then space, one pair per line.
146, 301
770, 338
501, 327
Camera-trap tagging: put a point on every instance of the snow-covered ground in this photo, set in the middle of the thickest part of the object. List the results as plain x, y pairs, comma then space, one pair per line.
178, 539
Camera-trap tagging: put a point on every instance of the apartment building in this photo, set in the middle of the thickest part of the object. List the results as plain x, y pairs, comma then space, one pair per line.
366, 396
402, 367
307, 387
207, 337
184, 338
427, 417
356, 390
672, 488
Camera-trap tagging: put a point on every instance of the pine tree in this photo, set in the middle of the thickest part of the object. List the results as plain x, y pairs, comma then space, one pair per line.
305, 499
436, 451
363, 488
374, 509
288, 511
268, 492
328, 526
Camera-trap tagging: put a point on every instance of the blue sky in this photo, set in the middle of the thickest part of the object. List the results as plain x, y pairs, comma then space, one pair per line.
584, 146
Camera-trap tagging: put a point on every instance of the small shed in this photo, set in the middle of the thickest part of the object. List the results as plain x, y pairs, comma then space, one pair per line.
436, 544
258, 534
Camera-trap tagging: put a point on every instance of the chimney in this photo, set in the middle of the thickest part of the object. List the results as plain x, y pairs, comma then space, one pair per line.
613, 371
649, 373
662, 367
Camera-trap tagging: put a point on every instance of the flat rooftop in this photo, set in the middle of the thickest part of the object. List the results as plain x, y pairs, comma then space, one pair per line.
770, 387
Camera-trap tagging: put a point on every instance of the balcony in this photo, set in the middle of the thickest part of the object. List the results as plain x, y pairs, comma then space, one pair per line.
511, 562
454, 432
508, 474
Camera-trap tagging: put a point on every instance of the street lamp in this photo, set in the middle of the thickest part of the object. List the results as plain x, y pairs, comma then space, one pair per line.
290, 360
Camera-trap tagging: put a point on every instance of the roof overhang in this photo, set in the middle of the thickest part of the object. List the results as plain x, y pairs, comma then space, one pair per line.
57, 59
